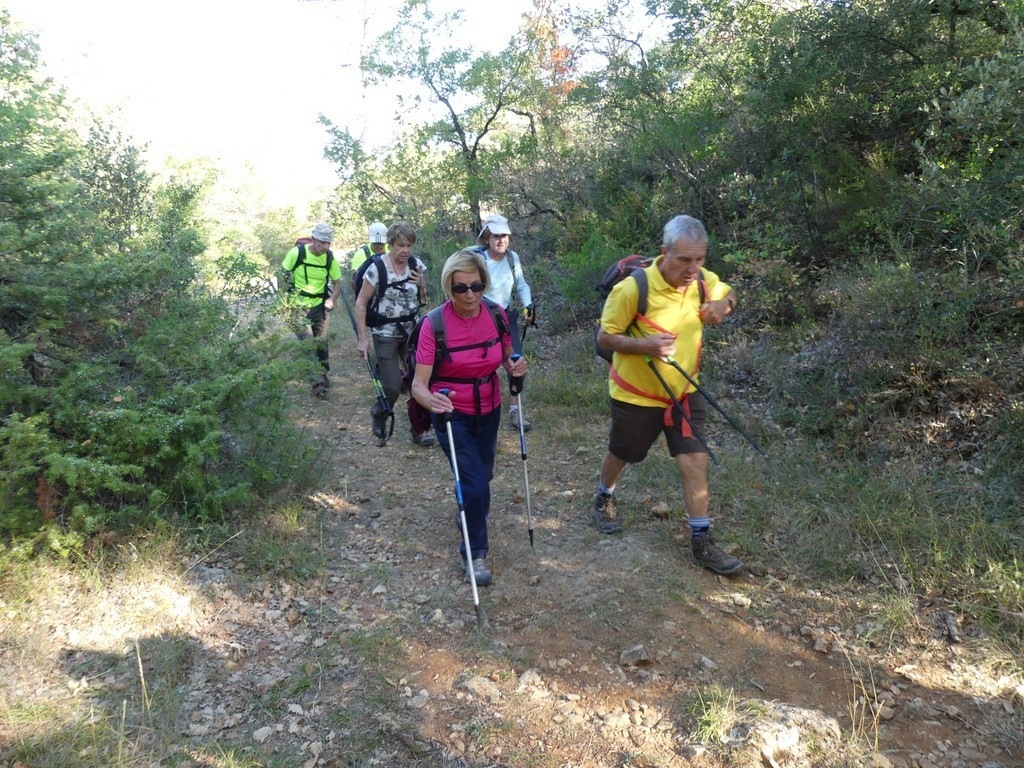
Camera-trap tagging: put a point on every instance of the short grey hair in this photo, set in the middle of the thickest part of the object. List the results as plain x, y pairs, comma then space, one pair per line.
401, 230
683, 227
466, 260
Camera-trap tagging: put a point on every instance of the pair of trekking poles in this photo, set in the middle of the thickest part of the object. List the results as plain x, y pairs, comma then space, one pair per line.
707, 396
515, 385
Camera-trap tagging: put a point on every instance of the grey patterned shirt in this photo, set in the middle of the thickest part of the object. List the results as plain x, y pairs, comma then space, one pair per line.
399, 300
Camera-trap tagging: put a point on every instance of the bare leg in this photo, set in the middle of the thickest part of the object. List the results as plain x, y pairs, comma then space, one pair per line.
694, 469
611, 468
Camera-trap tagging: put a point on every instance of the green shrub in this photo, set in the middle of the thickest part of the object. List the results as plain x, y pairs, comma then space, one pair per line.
127, 391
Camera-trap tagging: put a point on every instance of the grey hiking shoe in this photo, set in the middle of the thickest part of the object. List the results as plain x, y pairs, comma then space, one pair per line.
380, 425
423, 438
707, 553
604, 513
514, 419
321, 386
483, 576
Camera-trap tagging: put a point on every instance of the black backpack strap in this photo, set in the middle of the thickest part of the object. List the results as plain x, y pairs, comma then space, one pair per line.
499, 322
513, 257
300, 261
382, 277
436, 317
640, 276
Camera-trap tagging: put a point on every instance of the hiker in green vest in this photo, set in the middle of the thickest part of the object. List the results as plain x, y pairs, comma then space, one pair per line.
641, 377
315, 281
377, 243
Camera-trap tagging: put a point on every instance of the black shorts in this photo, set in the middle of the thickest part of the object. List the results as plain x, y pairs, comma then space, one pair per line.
635, 428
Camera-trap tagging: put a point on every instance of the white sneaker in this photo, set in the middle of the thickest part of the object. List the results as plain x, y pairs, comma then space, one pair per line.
513, 417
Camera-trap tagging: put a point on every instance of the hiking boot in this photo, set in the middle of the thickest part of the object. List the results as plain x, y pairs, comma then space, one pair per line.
483, 576
424, 439
708, 554
604, 514
513, 417
380, 426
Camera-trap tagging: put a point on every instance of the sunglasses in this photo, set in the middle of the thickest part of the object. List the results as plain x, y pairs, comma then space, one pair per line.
462, 288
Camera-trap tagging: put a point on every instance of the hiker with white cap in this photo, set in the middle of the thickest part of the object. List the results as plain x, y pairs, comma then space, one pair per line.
315, 282
506, 275
376, 244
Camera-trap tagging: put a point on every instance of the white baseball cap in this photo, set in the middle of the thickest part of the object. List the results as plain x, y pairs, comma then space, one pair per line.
496, 224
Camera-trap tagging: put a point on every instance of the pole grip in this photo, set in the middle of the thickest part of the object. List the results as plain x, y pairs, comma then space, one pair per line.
515, 383
442, 418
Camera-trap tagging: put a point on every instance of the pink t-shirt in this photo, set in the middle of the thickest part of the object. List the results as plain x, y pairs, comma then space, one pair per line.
474, 363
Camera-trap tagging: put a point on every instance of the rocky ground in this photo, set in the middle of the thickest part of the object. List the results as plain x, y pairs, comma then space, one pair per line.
361, 647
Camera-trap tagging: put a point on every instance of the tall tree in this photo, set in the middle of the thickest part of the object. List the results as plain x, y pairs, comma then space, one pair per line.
469, 100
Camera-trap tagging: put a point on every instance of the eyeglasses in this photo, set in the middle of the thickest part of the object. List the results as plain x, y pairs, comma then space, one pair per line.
462, 288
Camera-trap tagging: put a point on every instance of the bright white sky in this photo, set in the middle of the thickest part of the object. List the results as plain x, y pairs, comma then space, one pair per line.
241, 82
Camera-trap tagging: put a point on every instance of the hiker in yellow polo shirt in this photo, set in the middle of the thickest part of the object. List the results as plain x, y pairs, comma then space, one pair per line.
643, 343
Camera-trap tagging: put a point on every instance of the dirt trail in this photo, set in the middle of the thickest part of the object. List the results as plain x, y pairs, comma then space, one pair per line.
548, 681
360, 648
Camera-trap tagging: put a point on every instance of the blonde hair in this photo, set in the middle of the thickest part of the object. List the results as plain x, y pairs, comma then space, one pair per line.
466, 260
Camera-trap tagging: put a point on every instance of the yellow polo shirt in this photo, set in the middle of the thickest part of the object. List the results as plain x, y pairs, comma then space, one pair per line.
671, 310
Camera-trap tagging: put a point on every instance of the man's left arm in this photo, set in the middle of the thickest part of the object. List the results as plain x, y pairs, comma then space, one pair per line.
724, 304
330, 302
335, 276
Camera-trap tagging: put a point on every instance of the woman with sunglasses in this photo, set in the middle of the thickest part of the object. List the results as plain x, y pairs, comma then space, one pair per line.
476, 343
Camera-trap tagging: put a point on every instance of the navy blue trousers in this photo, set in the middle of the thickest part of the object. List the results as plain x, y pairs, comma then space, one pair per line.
476, 439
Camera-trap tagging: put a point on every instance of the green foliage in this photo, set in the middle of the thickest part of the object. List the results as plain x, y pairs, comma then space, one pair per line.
125, 394
895, 347
972, 171
578, 272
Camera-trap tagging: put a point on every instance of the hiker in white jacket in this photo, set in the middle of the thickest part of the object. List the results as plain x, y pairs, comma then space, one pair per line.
506, 275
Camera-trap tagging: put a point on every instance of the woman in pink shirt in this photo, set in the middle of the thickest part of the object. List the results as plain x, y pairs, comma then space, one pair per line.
476, 344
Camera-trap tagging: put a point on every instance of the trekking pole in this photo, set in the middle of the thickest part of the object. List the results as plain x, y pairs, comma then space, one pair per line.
443, 417
383, 404
527, 322
515, 386
714, 404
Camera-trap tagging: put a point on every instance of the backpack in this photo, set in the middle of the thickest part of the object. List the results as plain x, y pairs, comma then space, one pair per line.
300, 261
373, 318
441, 350
631, 266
